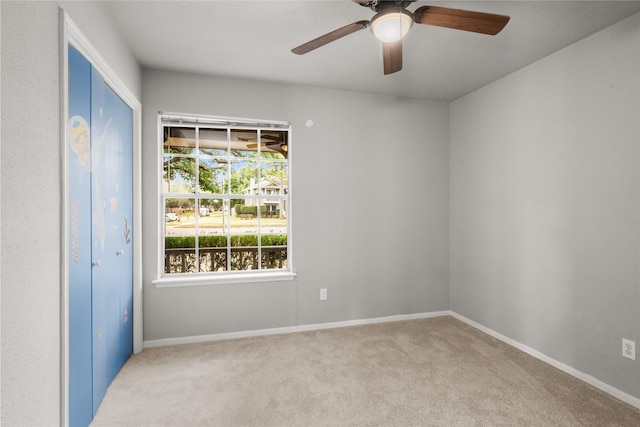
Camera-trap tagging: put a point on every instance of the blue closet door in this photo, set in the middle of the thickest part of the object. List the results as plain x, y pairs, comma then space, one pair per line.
100, 182
112, 254
79, 227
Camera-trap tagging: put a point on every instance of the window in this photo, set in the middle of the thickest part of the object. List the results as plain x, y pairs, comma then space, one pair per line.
225, 196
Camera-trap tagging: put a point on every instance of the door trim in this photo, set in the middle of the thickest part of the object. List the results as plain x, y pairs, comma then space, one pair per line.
71, 34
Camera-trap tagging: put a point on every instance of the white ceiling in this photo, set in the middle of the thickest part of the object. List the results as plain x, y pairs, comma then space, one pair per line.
253, 39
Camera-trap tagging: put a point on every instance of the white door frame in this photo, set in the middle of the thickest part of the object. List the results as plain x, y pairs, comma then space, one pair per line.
71, 34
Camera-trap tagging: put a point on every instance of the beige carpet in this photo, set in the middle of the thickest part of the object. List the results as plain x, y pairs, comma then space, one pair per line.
430, 372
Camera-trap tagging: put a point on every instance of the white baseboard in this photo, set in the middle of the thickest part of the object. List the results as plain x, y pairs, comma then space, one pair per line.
618, 394
218, 337
371, 321
288, 329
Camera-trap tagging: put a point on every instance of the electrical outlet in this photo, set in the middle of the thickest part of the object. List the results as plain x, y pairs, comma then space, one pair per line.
323, 294
629, 349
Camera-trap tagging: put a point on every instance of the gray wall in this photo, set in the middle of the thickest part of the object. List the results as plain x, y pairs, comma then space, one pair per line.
378, 163
30, 212
545, 185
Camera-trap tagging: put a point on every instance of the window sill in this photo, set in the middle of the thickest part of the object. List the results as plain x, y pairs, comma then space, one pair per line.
186, 281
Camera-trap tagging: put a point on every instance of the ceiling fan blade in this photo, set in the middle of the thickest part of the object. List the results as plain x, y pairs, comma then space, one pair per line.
281, 148
392, 56
264, 145
477, 22
330, 37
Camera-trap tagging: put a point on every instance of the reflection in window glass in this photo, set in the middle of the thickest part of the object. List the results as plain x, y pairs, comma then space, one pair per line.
213, 142
178, 213
274, 251
212, 253
274, 221
274, 144
180, 140
178, 174
211, 175
245, 216
275, 176
244, 143
244, 177
180, 254
244, 252
211, 218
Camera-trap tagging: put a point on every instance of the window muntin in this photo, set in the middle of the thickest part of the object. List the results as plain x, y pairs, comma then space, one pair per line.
225, 197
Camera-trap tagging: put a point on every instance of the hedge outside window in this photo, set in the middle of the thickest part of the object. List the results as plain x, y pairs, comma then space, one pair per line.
225, 195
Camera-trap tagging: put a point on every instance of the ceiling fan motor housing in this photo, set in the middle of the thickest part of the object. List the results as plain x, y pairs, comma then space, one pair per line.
380, 5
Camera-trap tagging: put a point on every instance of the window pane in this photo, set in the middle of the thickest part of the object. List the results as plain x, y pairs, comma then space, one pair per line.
273, 217
180, 254
245, 216
213, 253
179, 174
180, 140
275, 177
244, 252
211, 175
244, 143
274, 144
244, 177
178, 216
274, 251
211, 217
213, 142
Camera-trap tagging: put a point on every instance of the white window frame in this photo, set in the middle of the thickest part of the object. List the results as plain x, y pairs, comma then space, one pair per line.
226, 277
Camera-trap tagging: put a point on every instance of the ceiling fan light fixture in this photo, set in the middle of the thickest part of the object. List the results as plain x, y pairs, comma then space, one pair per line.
391, 25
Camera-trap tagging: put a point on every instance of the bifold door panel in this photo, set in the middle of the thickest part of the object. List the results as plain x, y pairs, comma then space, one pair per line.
100, 185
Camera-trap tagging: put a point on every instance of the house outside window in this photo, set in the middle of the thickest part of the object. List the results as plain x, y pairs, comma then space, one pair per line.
225, 196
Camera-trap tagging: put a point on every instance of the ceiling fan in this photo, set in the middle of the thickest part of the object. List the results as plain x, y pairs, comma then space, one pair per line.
392, 21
